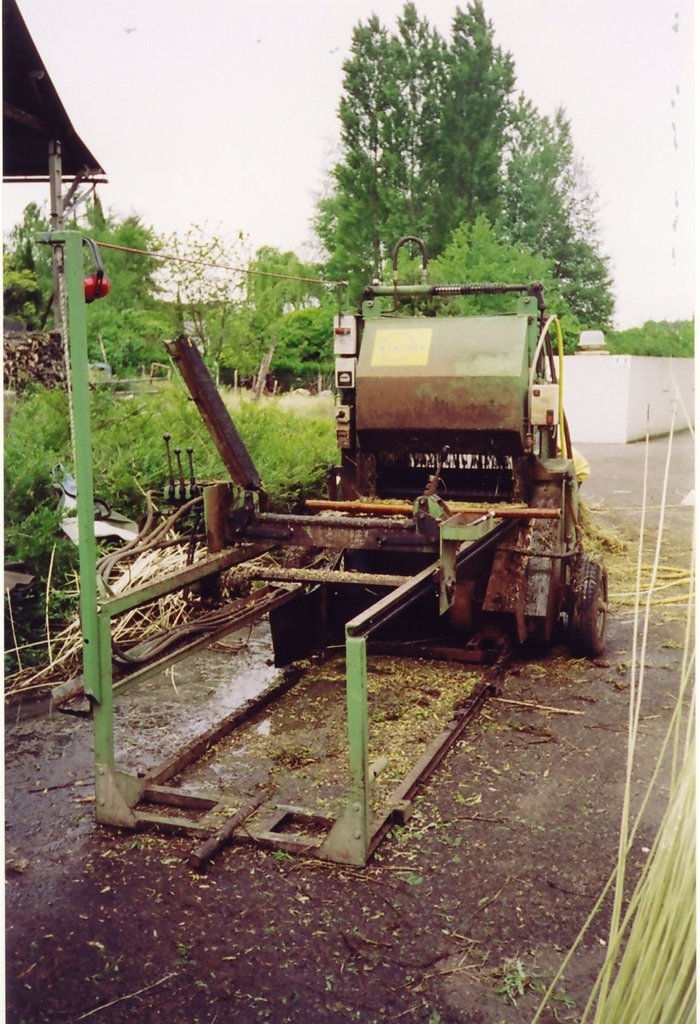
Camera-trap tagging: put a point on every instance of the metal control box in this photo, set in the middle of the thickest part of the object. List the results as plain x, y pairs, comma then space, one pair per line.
544, 405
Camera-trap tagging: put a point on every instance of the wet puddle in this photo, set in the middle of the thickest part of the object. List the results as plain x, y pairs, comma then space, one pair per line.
294, 751
159, 716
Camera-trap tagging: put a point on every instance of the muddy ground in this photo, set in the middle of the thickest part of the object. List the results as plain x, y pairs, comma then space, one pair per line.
462, 916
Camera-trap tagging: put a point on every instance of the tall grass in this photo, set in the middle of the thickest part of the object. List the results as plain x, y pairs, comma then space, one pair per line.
291, 441
655, 976
290, 448
648, 976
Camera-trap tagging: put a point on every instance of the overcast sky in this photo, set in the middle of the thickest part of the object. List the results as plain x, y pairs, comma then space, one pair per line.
223, 113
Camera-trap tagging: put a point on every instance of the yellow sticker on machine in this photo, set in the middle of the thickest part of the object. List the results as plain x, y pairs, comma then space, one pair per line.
402, 346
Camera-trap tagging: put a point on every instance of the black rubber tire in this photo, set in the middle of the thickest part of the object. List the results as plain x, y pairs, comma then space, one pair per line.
589, 609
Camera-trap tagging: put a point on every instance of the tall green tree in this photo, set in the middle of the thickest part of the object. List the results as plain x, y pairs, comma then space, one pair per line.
480, 81
129, 325
416, 92
385, 184
547, 204
351, 216
421, 130
432, 137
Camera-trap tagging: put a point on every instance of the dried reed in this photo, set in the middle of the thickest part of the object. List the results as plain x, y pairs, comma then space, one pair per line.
140, 561
649, 969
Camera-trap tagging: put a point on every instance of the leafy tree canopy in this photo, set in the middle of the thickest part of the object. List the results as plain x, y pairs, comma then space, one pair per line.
432, 137
287, 306
477, 254
304, 345
279, 282
130, 324
127, 327
206, 283
548, 205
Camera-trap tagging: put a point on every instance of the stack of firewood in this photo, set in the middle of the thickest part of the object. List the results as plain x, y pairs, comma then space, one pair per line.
32, 356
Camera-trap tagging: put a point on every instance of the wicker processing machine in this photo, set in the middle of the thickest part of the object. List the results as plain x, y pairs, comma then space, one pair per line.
452, 517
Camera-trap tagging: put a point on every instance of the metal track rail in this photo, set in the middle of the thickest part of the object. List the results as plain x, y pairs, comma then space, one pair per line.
352, 837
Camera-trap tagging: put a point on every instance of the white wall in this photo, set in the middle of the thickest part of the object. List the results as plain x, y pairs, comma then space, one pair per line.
610, 398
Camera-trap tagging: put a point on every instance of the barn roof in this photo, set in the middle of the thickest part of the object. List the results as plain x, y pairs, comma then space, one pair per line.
33, 115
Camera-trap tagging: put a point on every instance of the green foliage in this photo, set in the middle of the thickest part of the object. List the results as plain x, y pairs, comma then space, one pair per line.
284, 305
421, 122
548, 206
22, 297
478, 254
27, 271
432, 138
206, 283
291, 452
514, 980
130, 323
279, 282
417, 91
480, 80
36, 438
244, 347
304, 346
664, 338
351, 217
126, 327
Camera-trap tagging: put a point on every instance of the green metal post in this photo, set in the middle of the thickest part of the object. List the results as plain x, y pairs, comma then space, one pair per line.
103, 713
80, 412
115, 792
348, 842
358, 733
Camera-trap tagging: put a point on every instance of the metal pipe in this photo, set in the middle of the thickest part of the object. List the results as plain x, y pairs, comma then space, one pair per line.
365, 579
448, 290
404, 508
171, 476
180, 472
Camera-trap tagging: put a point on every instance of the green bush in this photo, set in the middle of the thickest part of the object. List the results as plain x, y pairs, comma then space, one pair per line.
304, 346
291, 452
663, 338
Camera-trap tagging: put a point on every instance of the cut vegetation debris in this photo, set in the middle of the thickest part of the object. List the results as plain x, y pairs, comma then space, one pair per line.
299, 747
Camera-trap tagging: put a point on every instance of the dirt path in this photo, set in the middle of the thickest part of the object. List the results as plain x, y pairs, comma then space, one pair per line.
476, 898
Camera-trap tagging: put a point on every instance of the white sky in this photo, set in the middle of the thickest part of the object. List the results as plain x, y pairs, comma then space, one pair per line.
223, 113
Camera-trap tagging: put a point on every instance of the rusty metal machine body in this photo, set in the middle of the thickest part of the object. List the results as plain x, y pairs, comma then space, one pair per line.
452, 517
443, 410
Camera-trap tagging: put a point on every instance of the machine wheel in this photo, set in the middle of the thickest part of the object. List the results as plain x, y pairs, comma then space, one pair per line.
589, 609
